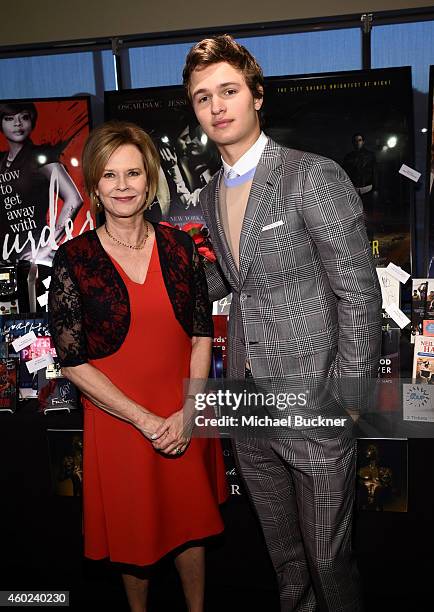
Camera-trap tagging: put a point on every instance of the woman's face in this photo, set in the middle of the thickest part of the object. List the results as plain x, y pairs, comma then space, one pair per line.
123, 186
17, 127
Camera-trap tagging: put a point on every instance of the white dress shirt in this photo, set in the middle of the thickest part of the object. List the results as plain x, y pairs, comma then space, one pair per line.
247, 161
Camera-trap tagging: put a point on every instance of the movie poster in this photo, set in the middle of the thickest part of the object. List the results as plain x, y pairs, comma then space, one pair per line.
188, 158
363, 121
41, 184
430, 174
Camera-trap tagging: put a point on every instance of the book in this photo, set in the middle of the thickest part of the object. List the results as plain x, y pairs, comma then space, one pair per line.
419, 294
8, 384
423, 360
428, 328
418, 403
15, 326
28, 386
55, 392
220, 342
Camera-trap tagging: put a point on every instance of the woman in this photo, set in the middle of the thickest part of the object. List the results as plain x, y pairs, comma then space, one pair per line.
130, 320
27, 170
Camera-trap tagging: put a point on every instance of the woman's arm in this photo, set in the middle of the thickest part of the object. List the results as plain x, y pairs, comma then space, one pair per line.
103, 393
175, 431
68, 192
69, 337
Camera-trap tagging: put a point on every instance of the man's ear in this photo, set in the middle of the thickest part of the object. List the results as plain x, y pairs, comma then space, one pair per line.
259, 98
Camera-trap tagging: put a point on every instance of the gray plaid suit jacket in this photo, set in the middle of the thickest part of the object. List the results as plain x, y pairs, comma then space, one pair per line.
306, 299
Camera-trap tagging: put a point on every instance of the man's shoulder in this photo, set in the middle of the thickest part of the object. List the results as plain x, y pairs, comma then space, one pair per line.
294, 158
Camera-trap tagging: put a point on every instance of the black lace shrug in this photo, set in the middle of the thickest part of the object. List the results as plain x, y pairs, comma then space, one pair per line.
89, 310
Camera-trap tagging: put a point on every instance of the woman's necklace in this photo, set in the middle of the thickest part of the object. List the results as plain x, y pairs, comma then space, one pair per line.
125, 244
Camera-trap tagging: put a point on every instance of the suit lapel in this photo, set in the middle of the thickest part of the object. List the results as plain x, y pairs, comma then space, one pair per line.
219, 237
265, 182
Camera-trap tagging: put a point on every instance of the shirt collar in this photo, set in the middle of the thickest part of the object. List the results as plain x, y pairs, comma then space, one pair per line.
250, 158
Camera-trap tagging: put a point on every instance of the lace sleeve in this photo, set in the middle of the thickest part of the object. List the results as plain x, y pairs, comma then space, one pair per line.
65, 314
202, 315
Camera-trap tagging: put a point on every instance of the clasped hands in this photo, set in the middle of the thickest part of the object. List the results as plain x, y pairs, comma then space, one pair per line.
170, 436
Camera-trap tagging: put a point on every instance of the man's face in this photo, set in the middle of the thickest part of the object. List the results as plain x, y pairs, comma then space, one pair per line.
358, 141
224, 105
189, 142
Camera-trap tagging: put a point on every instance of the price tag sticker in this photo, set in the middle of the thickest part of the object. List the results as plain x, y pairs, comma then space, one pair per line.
398, 273
39, 362
410, 173
24, 341
397, 315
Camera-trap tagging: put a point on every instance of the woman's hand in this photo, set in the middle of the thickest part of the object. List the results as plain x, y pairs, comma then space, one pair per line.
150, 424
174, 434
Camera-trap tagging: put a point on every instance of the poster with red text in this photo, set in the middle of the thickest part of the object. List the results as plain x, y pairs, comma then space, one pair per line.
42, 196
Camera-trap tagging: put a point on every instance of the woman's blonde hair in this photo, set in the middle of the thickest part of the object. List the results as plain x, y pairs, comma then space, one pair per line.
100, 145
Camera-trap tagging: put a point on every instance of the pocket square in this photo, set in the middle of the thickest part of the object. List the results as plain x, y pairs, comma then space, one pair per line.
275, 224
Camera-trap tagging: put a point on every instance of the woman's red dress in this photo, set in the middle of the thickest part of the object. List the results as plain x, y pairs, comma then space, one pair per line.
139, 504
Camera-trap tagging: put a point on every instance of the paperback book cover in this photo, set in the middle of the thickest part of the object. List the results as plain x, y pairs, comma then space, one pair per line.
418, 403
29, 381
423, 360
55, 392
428, 328
8, 385
219, 343
419, 293
15, 326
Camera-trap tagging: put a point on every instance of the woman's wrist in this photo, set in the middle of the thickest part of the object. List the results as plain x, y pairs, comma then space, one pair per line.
142, 420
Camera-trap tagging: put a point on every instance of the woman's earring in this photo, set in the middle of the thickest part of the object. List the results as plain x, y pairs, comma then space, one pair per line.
97, 202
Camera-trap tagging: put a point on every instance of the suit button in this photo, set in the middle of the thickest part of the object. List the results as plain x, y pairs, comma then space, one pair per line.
243, 296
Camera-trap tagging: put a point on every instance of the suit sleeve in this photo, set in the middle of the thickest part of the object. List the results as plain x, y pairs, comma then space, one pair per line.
218, 287
333, 214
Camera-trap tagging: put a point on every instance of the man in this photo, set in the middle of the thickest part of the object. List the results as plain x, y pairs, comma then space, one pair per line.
361, 166
287, 229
